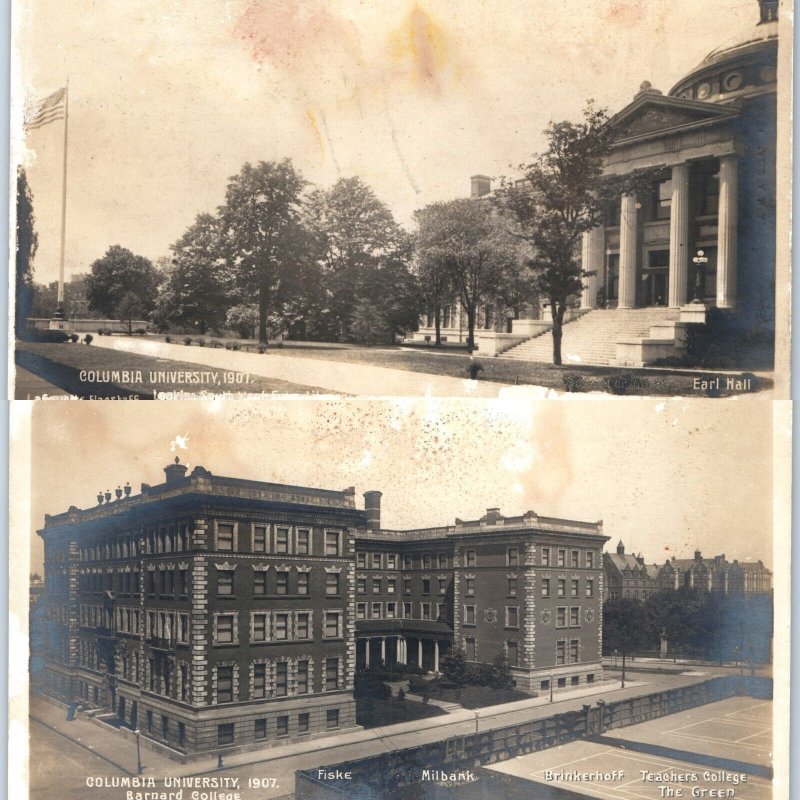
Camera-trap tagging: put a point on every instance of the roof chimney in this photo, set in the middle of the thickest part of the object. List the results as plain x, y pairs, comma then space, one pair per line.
480, 185
620, 548
372, 505
176, 471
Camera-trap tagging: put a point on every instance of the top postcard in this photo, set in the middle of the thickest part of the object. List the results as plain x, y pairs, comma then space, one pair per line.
436, 198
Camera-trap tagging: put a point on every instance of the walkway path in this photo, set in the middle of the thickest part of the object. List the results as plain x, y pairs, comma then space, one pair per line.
334, 376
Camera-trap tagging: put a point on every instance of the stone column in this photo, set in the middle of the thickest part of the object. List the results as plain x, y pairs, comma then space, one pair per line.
383, 649
628, 250
726, 231
436, 655
419, 652
679, 236
366, 652
592, 260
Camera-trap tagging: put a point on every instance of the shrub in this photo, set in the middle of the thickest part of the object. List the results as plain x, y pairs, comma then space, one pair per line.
140, 331
262, 348
235, 346
187, 340
201, 342
619, 383
573, 382
168, 339
88, 338
473, 369
401, 695
215, 343
74, 337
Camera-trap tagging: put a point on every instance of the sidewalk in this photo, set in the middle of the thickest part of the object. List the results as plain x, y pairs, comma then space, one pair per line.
28, 386
333, 376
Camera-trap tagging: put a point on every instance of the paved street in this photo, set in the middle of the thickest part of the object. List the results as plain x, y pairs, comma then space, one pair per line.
280, 763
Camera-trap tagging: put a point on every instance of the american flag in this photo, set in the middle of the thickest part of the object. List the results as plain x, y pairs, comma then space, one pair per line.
50, 109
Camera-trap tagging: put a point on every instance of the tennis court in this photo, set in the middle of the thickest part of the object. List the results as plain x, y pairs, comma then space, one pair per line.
684, 755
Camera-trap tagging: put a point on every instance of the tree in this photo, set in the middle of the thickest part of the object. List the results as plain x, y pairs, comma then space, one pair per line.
501, 676
364, 256
466, 240
129, 309
623, 626
118, 273
196, 293
563, 195
26, 244
243, 319
263, 233
455, 669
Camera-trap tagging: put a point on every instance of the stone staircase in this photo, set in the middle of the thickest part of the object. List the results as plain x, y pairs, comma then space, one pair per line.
592, 338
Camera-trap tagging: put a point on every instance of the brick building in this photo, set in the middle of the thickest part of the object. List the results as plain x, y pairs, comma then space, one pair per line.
627, 575
213, 612
716, 574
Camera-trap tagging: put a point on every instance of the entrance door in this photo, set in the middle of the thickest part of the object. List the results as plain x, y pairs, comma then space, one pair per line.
654, 284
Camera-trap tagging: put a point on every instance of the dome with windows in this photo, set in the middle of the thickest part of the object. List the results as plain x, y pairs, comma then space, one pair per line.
740, 68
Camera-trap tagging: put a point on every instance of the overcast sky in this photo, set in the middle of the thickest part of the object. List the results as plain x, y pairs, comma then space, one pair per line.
168, 98
666, 476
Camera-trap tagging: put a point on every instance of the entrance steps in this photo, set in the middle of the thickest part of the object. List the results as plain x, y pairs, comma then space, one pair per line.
592, 337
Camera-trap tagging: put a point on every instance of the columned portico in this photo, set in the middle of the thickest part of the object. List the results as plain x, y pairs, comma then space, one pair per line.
628, 248
679, 236
593, 258
727, 231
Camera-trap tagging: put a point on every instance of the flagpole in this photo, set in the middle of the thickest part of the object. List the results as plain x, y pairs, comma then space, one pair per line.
60, 303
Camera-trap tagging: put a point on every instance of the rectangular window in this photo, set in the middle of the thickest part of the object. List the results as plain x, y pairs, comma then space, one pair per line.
361, 585
225, 537
183, 581
426, 611
259, 538
332, 583
469, 615
469, 587
332, 619
561, 650
562, 587
407, 610
225, 733
441, 560
512, 617
303, 542
562, 557
281, 679
259, 627
442, 585
391, 586
512, 557
302, 723
282, 582
332, 543
408, 561
261, 729
302, 583
406, 585
302, 677
281, 540
574, 616
361, 560
376, 561
259, 681
303, 625
545, 587
225, 628
391, 561
224, 684
332, 718
574, 559
512, 654
590, 559
426, 561
225, 582
545, 556
361, 610
469, 558
331, 674
260, 582
426, 586
574, 649
561, 617
282, 626
376, 586
391, 610
376, 610
575, 587
282, 727
512, 587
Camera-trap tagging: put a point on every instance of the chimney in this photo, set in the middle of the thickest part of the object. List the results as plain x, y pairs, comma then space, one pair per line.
480, 185
620, 548
176, 471
372, 505
698, 556
493, 516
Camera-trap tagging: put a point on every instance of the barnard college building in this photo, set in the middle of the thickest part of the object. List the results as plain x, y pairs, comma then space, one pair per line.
213, 613
701, 235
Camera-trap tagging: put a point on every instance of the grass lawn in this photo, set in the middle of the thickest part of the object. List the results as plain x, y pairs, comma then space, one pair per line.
477, 696
62, 365
373, 713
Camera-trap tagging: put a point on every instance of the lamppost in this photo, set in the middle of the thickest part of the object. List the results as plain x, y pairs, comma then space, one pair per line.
476, 721
699, 261
551, 687
137, 733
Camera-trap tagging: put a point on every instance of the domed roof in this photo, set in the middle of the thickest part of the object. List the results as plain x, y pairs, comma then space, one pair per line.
752, 36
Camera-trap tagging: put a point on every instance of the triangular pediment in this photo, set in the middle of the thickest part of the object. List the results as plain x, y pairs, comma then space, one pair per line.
652, 113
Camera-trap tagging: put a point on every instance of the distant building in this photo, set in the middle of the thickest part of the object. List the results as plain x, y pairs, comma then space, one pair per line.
627, 575
716, 574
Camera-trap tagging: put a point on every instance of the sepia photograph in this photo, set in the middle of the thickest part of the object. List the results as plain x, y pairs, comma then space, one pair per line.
439, 198
323, 598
